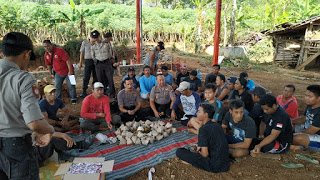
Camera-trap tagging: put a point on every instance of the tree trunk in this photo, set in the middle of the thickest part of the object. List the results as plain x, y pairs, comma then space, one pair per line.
233, 21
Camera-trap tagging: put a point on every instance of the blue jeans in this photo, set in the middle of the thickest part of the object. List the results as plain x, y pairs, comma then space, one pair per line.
59, 81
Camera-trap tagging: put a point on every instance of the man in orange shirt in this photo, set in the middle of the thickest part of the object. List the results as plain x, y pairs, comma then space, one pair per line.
288, 102
96, 111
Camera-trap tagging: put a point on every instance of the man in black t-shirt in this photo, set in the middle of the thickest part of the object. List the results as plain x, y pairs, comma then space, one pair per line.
241, 92
307, 127
183, 74
211, 154
195, 83
257, 112
276, 126
211, 77
243, 127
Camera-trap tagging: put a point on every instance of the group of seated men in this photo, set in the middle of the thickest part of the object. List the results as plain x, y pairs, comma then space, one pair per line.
235, 115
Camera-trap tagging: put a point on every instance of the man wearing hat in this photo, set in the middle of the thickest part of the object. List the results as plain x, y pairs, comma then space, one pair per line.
162, 98
152, 57
19, 111
85, 55
58, 60
96, 111
49, 107
190, 103
257, 112
102, 52
131, 75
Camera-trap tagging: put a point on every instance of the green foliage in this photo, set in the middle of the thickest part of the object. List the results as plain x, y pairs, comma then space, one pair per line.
39, 51
72, 48
122, 49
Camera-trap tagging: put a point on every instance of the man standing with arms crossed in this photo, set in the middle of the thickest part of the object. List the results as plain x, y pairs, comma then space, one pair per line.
19, 111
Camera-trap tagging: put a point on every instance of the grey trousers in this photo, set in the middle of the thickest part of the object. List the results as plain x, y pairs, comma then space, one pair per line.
93, 124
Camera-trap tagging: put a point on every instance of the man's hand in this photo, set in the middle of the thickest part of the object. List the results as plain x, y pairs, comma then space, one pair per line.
261, 136
156, 114
80, 65
70, 73
256, 149
198, 149
42, 140
70, 141
131, 112
110, 126
101, 115
173, 116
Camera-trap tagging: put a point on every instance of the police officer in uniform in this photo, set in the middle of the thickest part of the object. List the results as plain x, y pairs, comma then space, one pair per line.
19, 111
162, 98
102, 53
85, 54
129, 102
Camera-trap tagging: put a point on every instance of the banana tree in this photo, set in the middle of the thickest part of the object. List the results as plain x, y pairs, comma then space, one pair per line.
79, 15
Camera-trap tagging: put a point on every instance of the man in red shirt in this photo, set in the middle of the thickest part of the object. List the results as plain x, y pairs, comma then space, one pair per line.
288, 102
58, 60
96, 111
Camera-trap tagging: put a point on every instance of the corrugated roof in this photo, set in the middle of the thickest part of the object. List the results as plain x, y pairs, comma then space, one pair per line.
297, 26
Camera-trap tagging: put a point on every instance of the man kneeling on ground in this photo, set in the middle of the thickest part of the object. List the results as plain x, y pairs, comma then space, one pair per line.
96, 111
49, 107
243, 127
211, 154
275, 129
307, 127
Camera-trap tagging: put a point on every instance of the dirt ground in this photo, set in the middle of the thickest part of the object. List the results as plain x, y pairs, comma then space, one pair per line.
248, 168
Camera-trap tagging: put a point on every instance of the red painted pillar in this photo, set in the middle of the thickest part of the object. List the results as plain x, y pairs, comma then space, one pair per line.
217, 32
138, 31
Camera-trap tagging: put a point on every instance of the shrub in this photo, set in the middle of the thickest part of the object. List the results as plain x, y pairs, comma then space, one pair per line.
72, 47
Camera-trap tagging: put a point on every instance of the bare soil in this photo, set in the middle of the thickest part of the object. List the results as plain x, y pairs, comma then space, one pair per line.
248, 168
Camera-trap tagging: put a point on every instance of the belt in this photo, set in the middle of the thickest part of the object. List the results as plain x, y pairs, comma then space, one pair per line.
9, 141
104, 61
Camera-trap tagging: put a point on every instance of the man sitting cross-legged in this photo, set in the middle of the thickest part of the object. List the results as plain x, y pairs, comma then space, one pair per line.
275, 129
162, 98
218, 107
49, 107
211, 154
243, 127
190, 103
129, 102
61, 142
307, 127
96, 111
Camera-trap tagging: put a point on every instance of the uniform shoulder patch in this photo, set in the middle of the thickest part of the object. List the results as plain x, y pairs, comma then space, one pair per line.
36, 91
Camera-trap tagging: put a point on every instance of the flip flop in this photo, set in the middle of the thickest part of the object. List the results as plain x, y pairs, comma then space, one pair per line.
292, 165
307, 158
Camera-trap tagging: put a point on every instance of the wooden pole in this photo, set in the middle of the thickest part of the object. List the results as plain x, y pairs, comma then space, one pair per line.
217, 32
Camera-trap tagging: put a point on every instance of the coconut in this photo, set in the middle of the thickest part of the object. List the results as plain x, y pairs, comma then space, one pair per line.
140, 128
134, 139
168, 125
129, 134
174, 130
138, 141
125, 128
140, 134
161, 123
124, 133
118, 132
152, 139
159, 137
145, 141
165, 134
122, 141
129, 124
148, 122
168, 130
129, 141
154, 133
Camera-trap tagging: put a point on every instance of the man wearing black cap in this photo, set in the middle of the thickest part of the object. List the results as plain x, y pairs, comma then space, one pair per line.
57, 59
131, 75
102, 52
85, 54
152, 57
19, 111
257, 112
